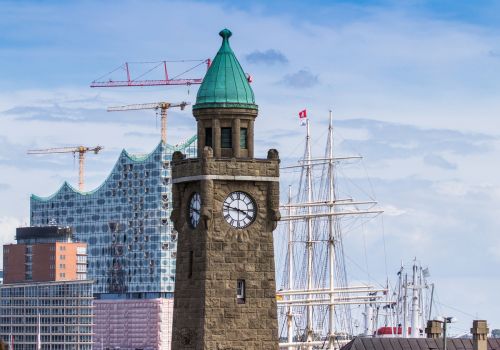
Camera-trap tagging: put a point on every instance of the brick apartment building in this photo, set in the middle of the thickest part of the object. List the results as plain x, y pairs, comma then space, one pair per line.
44, 254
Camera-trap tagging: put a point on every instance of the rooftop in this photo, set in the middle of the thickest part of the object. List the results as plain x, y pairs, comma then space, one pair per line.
415, 344
225, 85
43, 234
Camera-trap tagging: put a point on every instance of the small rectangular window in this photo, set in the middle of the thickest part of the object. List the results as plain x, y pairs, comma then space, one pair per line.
208, 137
240, 291
226, 138
191, 258
243, 138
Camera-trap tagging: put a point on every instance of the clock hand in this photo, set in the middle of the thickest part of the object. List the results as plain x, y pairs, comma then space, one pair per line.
227, 206
238, 209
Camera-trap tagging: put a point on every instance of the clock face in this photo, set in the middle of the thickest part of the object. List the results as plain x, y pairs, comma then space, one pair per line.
239, 209
194, 209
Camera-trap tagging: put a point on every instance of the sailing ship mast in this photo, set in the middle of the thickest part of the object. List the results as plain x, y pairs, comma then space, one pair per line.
312, 296
331, 236
290, 268
413, 297
309, 243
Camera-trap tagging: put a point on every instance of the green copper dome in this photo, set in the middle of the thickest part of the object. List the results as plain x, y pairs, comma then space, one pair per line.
225, 84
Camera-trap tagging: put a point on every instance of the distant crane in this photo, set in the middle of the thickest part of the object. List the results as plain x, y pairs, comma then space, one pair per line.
81, 150
106, 81
163, 106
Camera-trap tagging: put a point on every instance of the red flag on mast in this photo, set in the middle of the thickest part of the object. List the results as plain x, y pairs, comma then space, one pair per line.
303, 117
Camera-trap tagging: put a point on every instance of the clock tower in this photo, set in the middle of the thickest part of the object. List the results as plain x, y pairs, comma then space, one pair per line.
226, 206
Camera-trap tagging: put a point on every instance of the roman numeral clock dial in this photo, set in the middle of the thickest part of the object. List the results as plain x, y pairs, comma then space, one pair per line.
239, 209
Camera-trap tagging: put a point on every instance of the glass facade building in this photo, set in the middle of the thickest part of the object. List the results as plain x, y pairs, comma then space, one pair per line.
131, 242
58, 314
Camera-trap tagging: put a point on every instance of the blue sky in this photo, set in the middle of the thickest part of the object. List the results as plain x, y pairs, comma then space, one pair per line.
414, 86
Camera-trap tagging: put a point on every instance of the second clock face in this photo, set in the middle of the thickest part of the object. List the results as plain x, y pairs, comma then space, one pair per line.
194, 209
239, 209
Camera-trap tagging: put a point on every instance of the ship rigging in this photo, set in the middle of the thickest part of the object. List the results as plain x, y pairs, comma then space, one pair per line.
315, 300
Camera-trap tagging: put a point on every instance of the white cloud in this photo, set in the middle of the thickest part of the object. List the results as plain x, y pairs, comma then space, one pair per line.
439, 161
269, 57
494, 249
300, 79
452, 188
391, 210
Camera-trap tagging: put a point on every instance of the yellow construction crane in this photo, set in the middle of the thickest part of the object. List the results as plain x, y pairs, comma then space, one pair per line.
81, 150
163, 106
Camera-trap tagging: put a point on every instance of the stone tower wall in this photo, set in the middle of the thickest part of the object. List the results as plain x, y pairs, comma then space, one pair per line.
214, 255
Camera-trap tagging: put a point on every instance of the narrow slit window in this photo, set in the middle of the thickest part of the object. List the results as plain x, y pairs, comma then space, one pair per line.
243, 138
191, 257
208, 137
240, 291
226, 138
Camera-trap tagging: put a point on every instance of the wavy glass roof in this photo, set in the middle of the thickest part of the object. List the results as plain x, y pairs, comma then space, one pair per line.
124, 153
125, 222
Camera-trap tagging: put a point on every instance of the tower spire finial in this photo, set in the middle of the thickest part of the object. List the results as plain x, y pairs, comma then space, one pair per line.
225, 34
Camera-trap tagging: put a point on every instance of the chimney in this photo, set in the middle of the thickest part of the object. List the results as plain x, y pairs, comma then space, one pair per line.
479, 332
434, 329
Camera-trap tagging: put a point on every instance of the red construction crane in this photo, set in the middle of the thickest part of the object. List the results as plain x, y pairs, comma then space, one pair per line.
107, 81
163, 106
81, 150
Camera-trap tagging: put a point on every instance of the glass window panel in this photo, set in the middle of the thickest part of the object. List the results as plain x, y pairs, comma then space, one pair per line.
208, 137
243, 138
226, 138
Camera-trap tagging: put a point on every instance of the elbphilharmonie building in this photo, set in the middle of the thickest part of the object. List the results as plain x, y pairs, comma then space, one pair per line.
131, 245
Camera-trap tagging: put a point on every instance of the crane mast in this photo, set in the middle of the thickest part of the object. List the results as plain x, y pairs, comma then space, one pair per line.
162, 106
81, 150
